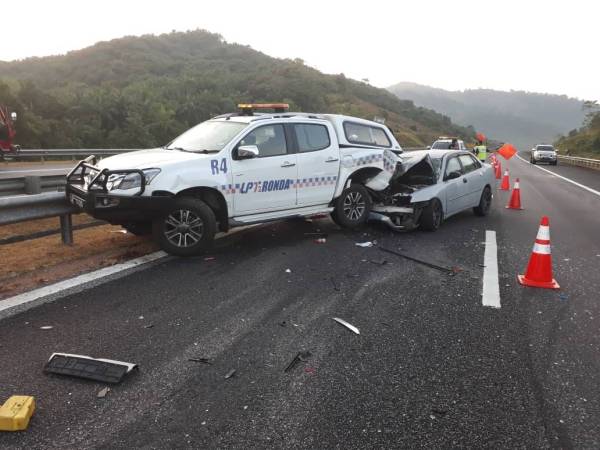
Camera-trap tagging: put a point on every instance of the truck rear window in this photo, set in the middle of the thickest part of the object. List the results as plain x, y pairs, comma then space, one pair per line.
358, 133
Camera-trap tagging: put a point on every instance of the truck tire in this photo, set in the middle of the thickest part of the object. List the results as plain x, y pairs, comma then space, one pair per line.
484, 203
352, 208
187, 228
138, 228
432, 216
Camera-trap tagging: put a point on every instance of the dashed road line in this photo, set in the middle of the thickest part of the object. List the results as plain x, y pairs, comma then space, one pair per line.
491, 286
582, 186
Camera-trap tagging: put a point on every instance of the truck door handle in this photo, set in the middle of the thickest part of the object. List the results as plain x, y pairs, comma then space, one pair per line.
332, 159
464, 180
288, 164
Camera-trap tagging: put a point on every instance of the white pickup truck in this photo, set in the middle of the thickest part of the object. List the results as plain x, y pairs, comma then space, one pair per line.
247, 167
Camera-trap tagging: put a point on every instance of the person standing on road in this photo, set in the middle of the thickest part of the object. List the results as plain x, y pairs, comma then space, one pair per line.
480, 149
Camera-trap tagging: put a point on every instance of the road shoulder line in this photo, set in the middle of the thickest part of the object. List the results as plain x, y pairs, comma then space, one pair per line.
29, 299
491, 287
582, 186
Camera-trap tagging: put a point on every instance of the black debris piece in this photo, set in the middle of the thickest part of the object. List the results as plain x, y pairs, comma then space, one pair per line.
420, 261
200, 360
104, 370
300, 357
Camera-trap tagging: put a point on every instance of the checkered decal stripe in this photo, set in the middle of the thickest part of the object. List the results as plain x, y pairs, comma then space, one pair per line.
369, 159
316, 181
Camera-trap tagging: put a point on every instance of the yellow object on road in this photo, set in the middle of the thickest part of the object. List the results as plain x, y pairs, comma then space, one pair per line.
16, 412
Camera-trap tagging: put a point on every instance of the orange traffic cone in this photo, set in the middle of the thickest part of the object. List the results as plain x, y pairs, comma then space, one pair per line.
515, 198
505, 186
498, 170
539, 269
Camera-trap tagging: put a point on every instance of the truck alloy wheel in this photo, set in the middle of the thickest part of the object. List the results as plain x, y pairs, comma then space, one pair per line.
352, 208
187, 228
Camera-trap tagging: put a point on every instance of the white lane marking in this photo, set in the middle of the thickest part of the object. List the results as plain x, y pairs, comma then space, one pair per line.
582, 186
491, 286
30, 296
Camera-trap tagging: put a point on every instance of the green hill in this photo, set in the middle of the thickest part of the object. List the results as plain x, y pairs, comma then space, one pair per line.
522, 118
142, 91
584, 141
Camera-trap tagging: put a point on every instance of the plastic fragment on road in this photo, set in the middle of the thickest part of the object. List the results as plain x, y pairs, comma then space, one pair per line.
448, 270
102, 392
288, 271
16, 412
46, 327
200, 360
300, 357
364, 244
80, 366
230, 374
346, 324
320, 240
209, 258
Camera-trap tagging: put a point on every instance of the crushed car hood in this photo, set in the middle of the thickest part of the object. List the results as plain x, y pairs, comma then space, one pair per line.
145, 159
408, 161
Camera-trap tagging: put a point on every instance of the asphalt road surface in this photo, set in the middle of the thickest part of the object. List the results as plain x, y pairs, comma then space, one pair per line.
431, 368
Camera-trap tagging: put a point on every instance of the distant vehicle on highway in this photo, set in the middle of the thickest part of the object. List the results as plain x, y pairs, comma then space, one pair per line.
248, 167
544, 153
448, 143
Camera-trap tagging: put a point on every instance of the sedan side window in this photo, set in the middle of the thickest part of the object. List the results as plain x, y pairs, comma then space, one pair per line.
270, 140
452, 166
468, 163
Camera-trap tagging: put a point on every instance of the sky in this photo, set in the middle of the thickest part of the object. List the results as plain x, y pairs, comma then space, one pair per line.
538, 46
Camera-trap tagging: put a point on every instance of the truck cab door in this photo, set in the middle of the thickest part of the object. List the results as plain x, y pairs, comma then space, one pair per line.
318, 162
266, 182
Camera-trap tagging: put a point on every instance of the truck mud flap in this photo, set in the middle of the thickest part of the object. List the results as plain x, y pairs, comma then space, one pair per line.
104, 370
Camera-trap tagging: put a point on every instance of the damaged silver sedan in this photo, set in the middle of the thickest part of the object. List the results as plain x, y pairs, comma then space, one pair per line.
429, 186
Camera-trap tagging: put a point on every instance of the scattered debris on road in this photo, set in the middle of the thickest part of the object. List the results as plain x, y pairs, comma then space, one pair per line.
381, 262
420, 261
288, 271
150, 325
200, 360
102, 392
321, 240
300, 357
336, 287
46, 327
346, 324
209, 258
16, 412
364, 244
98, 369
230, 374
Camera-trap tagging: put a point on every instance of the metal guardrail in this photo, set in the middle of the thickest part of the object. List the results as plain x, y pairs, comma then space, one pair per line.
23, 208
44, 154
31, 184
581, 162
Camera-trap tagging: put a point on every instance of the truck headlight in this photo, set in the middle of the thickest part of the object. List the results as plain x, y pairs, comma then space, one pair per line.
133, 180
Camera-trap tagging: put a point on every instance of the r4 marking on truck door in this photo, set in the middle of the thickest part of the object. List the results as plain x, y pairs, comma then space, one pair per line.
217, 168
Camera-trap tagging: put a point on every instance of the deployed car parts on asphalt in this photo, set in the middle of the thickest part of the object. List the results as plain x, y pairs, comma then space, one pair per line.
104, 370
16, 412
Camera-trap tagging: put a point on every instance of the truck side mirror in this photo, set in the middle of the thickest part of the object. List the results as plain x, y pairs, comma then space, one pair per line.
13, 116
247, 152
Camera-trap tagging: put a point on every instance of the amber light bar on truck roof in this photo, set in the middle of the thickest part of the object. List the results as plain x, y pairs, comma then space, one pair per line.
248, 108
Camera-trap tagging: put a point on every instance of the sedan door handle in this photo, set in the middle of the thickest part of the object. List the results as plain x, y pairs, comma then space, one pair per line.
288, 164
332, 159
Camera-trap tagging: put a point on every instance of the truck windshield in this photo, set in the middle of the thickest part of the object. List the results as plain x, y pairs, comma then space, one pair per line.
210, 136
545, 148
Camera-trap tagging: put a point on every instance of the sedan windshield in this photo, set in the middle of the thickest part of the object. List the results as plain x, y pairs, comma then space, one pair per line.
209, 136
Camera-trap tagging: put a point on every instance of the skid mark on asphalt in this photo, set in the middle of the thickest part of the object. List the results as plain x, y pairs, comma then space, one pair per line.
582, 186
491, 288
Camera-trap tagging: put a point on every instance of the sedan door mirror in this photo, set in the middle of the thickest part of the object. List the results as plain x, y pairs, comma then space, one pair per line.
453, 175
247, 151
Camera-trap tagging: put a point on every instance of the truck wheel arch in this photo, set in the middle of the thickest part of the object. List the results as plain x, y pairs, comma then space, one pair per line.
214, 199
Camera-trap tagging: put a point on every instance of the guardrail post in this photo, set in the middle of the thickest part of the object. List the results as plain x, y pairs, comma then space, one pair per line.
33, 185
66, 229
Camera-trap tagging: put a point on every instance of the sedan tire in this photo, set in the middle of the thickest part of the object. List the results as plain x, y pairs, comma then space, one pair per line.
485, 202
432, 216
